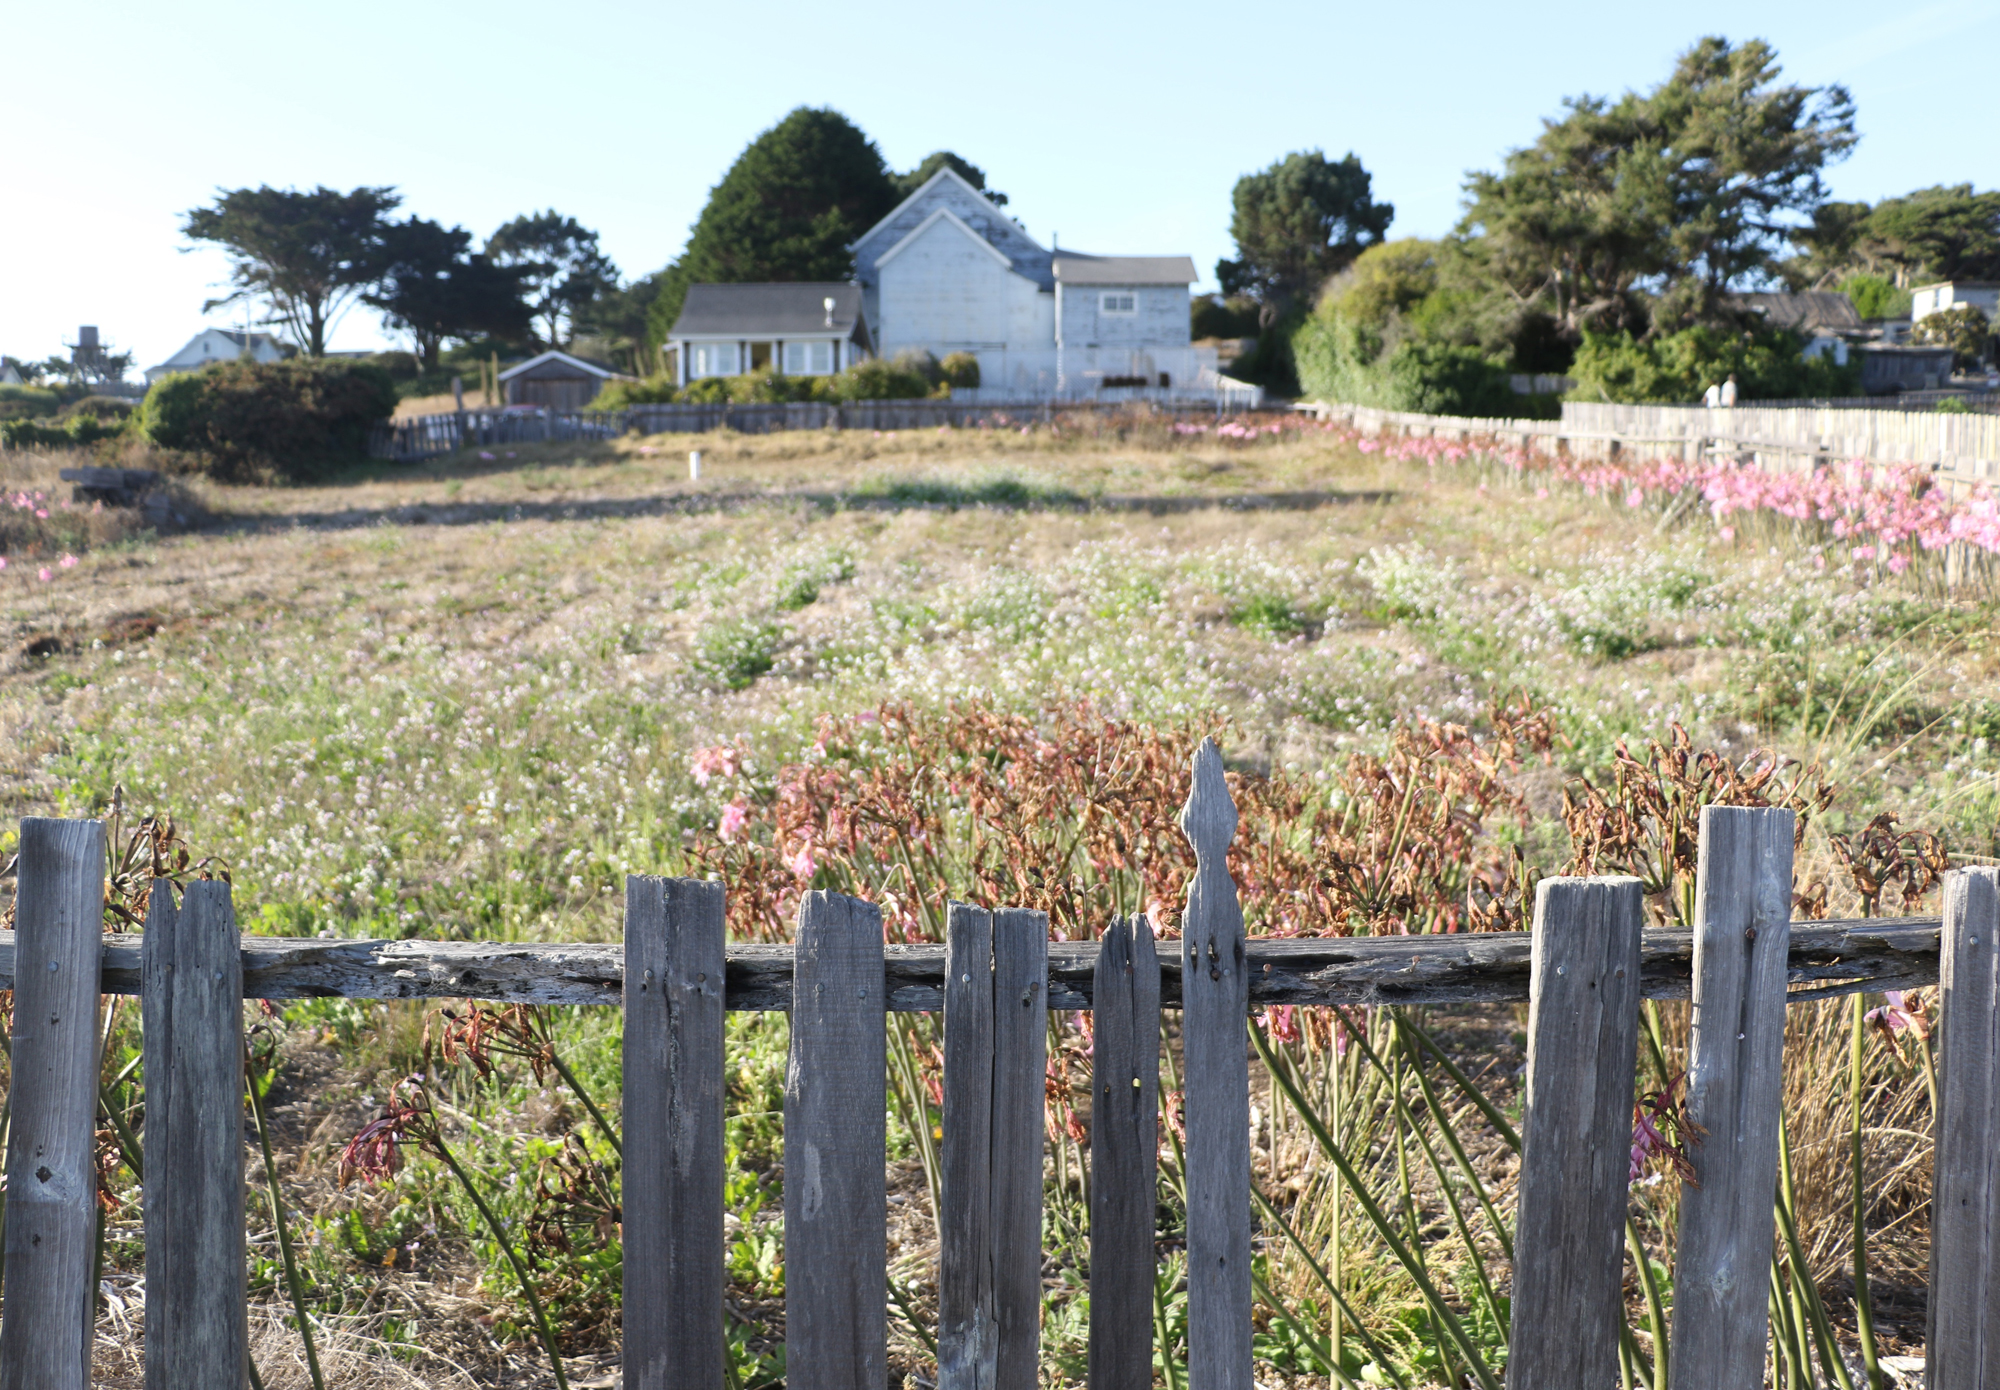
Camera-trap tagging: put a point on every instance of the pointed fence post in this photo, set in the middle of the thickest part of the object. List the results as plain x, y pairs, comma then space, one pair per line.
1583, 1041
1742, 935
672, 1208
197, 1326
836, 1151
1215, 1003
1963, 1348
51, 1313
1124, 1155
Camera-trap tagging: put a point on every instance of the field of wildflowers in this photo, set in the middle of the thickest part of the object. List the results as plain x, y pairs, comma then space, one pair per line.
465, 700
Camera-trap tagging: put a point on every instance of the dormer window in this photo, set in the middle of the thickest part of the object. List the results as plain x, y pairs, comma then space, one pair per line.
1119, 302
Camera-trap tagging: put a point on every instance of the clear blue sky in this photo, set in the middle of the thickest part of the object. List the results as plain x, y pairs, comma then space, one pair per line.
1122, 127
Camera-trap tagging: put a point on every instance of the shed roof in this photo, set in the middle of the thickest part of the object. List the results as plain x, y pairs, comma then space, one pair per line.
1808, 309
556, 364
781, 310
1075, 268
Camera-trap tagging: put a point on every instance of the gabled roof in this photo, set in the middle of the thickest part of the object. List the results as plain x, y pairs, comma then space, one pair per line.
1806, 310
584, 365
947, 215
1075, 268
943, 173
791, 309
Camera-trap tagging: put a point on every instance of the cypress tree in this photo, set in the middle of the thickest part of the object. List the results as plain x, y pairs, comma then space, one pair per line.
786, 210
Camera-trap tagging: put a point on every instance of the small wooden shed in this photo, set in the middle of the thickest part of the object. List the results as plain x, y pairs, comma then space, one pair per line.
557, 380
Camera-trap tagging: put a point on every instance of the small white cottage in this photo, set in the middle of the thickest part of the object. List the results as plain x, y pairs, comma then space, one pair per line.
801, 329
219, 345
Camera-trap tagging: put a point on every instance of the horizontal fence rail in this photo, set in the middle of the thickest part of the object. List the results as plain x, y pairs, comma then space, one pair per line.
1827, 958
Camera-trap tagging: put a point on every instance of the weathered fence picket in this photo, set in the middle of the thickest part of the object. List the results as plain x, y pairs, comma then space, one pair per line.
1583, 1040
51, 1309
1584, 970
1216, 1086
1736, 1046
990, 1224
1963, 1345
836, 1151
1124, 1155
197, 1319
673, 1141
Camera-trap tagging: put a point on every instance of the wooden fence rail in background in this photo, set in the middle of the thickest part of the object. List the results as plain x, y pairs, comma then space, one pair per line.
1584, 970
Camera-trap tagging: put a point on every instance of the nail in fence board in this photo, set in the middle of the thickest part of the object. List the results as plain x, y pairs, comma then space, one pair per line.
1743, 900
1964, 1340
673, 1266
1583, 1039
197, 1329
1216, 1100
1124, 1156
996, 1051
46, 1335
836, 1141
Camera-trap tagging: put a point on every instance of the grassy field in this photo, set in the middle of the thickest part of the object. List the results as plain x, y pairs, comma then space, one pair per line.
463, 700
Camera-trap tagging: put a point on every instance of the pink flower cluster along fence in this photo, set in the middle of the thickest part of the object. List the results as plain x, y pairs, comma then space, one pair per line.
1583, 971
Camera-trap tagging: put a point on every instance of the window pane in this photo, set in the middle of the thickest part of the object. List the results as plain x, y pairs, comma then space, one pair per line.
795, 359
822, 358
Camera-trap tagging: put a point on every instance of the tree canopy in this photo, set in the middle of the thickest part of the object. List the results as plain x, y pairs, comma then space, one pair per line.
434, 288
787, 210
1941, 233
906, 184
561, 268
1655, 206
306, 256
1296, 223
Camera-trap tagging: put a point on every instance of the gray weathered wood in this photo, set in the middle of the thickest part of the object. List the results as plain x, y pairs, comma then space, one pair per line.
1583, 1039
836, 1141
1964, 1342
1020, 1096
46, 1333
968, 1322
673, 1159
1216, 1091
1743, 897
990, 1236
1834, 957
1124, 1156
197, 1328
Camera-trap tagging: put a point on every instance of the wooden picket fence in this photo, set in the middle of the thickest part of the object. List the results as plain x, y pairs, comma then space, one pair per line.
1584, 970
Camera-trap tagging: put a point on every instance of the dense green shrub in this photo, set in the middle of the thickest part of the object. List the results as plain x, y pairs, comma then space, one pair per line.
960, 369
1876, 297
27, 402
654, 390
1676, 368
1963, 329
1211, 316
1340, 359
401, 366
769, 386
874, 380
252, 420
708, 390
82, 423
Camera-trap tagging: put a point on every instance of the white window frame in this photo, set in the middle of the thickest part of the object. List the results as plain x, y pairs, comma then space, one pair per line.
807, 349
702, 355
1105, 297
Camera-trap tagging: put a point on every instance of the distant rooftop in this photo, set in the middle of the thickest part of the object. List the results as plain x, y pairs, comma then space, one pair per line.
777, 310
1075, 268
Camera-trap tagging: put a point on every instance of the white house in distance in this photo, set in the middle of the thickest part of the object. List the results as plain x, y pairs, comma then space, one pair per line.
1926, 300
947, 271
219, 345
804, 329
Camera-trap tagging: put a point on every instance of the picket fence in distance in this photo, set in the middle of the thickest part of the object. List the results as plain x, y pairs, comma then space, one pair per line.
1584, 971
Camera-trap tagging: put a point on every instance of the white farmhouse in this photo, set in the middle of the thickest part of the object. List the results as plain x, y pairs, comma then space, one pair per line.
219, 345
948, 272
